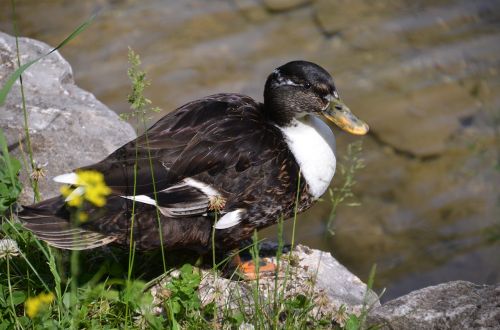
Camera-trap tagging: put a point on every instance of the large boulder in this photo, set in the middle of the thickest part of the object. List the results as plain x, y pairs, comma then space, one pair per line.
68, 126
452, 305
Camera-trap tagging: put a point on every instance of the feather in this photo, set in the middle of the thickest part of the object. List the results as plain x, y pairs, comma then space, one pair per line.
67, 178
230, 219
79, 191
57, 230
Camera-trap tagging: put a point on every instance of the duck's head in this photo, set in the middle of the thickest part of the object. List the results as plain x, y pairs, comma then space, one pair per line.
299, 88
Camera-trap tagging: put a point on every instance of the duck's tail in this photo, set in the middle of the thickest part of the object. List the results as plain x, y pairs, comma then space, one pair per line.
50, 221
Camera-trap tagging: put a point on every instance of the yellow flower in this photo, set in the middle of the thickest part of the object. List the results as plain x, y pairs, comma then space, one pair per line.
91, 187
65, 190
82, 216
96, 189
33, 305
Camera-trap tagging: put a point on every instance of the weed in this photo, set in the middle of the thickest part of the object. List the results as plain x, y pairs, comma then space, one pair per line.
350, 165
10, 187
182, 301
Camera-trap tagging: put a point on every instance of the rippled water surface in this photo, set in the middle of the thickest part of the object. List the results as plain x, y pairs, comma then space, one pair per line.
423, 74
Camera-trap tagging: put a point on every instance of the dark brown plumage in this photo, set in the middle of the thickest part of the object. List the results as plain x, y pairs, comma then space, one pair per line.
224, 147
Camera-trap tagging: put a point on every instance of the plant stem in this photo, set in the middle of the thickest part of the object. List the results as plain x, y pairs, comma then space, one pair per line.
295, 211
292, 245
33, 183
74, 270
155, 194
214, 265
10, 294
279, 252
131, 255
214, 270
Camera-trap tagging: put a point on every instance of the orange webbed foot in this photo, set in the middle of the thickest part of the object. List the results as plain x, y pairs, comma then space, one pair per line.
250, 271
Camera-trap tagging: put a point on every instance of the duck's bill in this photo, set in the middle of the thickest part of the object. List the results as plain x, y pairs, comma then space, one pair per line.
341, 115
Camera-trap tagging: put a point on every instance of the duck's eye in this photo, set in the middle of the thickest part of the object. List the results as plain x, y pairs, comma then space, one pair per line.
307, 85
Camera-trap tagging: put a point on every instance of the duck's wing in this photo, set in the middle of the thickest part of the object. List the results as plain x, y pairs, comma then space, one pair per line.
202, 139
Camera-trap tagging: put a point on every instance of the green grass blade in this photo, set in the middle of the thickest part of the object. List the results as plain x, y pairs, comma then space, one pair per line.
13, 77
75, 33
6, 157
16, 74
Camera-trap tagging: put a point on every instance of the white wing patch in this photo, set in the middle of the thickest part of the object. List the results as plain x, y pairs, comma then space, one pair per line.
141, 199
230, 219
205, 188
68, 178
183, 209
79, 191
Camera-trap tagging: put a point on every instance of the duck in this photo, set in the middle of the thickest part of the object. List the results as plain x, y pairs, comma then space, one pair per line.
210, 173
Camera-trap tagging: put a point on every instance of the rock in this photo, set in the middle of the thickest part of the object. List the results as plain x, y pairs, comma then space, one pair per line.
341, 15
284, 5
452, 305
68, 126
252, 10
335, 291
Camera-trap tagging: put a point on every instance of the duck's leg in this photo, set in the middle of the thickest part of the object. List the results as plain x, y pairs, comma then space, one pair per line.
249, 270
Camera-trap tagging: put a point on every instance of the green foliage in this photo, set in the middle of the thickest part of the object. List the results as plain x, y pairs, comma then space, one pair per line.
100, 304
351, 163
10, 187
353, 323
140, 105
183, 302
137, 99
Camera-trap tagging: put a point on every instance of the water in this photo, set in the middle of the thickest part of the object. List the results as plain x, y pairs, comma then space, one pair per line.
423, 74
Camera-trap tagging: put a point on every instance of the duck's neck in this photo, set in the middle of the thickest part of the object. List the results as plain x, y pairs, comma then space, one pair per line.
279, 112
281, 106
313, 145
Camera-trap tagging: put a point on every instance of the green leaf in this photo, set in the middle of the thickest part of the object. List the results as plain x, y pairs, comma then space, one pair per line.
186, 269
6, 157
18, 297
238, 317
352, 323
16, 74
67, 300
300, 301
175, 306
25, 321
5, 325
155, 322
10, 186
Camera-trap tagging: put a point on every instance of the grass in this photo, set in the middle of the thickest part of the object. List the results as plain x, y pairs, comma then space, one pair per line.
351, 163
46, 288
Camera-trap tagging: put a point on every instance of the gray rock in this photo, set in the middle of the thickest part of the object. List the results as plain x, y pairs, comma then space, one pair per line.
68, 126
452, 305
335, 291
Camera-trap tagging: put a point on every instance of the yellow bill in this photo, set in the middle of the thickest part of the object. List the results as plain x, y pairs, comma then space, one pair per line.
341, 115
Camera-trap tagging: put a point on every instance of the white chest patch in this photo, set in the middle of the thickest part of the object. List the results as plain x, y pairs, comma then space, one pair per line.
312, 143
